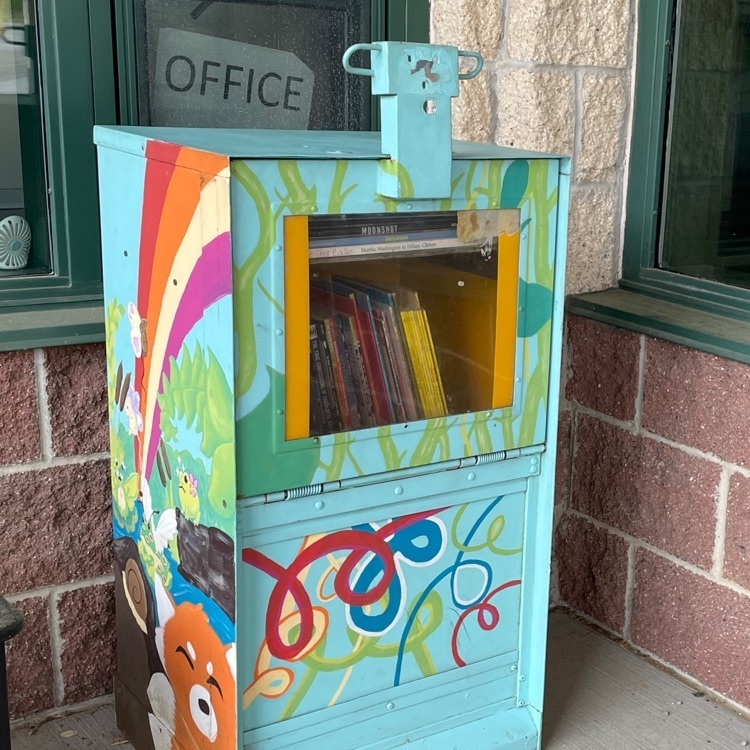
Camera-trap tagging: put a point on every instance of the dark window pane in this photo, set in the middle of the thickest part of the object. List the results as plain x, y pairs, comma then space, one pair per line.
237, 63
706, 204
23, 193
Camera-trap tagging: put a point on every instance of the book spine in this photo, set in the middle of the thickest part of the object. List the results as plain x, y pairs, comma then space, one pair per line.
331, 413
389, 370
408, 318
317, 416
437, 392
404, 374
348, 373
337, 373
372, 365
359, 373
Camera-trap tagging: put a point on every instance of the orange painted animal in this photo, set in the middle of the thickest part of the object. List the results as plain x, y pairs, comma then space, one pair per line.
196, 700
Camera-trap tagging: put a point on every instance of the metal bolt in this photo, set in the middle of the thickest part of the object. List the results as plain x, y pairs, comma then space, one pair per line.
522, 678
277, 248
513, 668
409, 206
279, 332
522, 703
389, 706
316, 440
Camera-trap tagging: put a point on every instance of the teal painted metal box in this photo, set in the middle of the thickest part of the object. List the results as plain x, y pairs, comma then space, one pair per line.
333, 389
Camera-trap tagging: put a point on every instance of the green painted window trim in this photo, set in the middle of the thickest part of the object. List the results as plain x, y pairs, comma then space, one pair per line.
660, 293
88, 63
75, 40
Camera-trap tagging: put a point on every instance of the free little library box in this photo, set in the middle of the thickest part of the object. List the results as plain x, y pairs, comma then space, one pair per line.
333, 366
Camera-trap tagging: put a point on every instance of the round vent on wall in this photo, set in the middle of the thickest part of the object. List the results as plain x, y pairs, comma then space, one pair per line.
15, 243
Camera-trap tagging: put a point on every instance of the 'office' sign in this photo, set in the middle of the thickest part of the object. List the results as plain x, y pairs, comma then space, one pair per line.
214, 82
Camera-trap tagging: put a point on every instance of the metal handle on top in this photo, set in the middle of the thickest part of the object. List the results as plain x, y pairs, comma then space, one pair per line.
357, 48
477, 68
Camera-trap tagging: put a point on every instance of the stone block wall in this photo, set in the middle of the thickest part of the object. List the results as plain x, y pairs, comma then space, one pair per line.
55, 525
558, 79
653, 530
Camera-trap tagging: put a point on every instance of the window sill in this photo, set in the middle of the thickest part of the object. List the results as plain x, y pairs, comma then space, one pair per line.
706, 331
51, 325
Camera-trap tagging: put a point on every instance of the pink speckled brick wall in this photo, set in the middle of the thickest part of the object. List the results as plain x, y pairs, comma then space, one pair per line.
56, 525
653, 500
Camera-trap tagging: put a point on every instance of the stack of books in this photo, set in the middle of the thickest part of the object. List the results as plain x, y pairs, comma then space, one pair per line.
372, 357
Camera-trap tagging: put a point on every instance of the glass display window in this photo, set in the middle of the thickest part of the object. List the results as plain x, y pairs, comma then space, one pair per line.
395, 318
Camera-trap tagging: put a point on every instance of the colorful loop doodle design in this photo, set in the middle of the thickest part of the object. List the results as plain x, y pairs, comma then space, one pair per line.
406, 548
371, 580
360, 543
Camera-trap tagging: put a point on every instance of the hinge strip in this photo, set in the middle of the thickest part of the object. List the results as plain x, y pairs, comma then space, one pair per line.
341, 484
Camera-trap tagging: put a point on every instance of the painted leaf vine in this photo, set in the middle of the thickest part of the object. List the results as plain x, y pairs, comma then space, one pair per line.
195, 393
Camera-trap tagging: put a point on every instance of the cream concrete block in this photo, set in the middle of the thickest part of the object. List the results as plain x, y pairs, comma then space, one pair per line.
571, 32
591, 241
468, 25
535, 110
604, 102
472, 111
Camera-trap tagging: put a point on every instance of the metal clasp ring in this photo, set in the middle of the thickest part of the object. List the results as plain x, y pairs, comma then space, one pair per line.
357, 48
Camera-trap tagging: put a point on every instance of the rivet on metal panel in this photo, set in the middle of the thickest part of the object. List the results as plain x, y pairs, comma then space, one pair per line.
277, 248
513, 668
279, 411
472, 476
320, 505
279, 332
316, 440
399, 490
521, 703
389, 706
521, 677
313, 209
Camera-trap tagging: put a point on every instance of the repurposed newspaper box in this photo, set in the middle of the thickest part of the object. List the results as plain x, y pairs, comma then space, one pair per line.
333, 367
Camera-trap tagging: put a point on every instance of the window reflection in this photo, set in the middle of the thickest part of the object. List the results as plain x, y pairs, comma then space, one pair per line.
23, 212
237, 63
